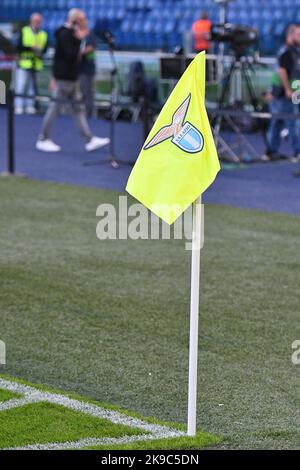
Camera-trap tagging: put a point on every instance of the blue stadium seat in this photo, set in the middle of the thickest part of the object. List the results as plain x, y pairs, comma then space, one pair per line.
153, 24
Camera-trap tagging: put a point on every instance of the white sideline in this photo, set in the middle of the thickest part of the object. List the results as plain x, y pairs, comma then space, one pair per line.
32, 395
17, 402
88, 442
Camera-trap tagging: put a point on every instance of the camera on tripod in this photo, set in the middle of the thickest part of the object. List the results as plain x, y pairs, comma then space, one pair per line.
238, 37
235, 80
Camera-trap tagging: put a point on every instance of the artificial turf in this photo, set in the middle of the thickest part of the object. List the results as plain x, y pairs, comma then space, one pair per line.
44, 423
109, 319
6, 395
41, 423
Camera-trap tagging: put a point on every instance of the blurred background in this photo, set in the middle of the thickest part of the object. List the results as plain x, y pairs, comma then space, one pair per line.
146, 29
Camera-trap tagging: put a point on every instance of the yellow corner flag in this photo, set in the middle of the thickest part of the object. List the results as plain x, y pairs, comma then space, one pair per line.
179, 160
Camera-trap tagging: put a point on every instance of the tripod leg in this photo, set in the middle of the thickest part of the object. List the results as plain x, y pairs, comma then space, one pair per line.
224, 147
249, 84
114, 95
244, 142
226, 86
217, 122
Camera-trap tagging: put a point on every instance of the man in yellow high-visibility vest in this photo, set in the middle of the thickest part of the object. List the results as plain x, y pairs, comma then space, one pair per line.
32, 46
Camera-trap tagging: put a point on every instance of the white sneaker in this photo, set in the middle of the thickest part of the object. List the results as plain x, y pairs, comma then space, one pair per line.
47, 146
295, 158
284, 133
96, 142
30, 110
19, 110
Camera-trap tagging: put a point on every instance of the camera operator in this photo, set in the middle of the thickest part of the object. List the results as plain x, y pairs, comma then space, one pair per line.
202, 32
281, 96
66, 85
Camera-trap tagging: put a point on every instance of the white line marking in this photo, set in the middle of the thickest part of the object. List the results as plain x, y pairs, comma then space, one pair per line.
18, 402
88, 442
32, 395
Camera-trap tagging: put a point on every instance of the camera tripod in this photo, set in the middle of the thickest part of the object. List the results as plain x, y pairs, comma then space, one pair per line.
242, 67
115, 87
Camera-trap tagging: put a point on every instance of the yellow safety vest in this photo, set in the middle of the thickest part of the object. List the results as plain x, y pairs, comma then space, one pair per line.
28, 60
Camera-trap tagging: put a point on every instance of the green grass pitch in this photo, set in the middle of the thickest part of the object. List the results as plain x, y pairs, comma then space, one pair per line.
6, 395
109, 320
74, 422
43, 422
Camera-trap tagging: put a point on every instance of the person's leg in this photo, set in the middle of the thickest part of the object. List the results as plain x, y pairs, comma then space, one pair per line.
290, 108
91, 96
31, 91
79, 112
82, 83
92, 142
21, 80
87, 89
273, 135
61, 92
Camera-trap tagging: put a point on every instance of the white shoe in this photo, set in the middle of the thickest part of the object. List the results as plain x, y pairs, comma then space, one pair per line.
30, 110
295, 158
96, 142
19, 110
47, 146
284, 133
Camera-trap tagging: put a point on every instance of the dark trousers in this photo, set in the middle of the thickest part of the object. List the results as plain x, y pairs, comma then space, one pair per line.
285, 106
87, 90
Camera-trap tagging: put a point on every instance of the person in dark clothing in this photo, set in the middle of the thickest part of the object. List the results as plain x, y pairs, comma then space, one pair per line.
282, 95
66, 70
88, 70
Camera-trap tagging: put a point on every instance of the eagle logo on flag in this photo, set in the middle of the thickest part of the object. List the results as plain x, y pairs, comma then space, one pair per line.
184, 135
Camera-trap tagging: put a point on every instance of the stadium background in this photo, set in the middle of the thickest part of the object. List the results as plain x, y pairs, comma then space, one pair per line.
155, 26
148, 25
105, 320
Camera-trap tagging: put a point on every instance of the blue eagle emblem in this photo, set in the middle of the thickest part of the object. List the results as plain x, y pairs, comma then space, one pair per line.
184, 135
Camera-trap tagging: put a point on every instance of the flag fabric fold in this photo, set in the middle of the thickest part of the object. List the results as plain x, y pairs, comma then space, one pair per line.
179, 160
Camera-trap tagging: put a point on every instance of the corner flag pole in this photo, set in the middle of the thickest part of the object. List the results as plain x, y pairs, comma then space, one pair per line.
197, 240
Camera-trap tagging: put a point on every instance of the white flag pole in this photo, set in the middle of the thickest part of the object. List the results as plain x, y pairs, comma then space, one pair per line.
197, 241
